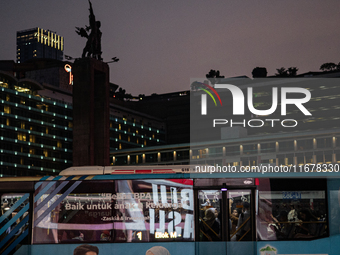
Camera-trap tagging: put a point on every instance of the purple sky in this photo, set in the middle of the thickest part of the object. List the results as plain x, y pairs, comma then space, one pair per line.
162, 44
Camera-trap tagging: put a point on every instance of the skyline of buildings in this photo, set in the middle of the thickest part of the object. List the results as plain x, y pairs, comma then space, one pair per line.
36, 122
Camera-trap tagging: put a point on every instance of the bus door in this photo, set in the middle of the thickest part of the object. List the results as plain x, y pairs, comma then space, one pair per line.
240, 208
224, 218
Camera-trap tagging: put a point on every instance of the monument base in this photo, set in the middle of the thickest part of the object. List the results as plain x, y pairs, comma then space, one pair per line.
91, 113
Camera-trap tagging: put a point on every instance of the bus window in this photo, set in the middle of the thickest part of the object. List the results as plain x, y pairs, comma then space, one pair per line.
210, 217
292, 212
72, 211
240, 215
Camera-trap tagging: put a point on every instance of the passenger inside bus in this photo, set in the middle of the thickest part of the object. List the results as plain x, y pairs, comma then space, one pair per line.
308, 227
244, 234
234, 220
210, 226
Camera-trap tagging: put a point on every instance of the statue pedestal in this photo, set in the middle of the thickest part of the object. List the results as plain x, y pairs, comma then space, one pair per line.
91, 113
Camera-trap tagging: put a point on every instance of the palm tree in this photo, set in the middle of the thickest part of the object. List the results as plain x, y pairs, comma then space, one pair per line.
282, 72
292, 71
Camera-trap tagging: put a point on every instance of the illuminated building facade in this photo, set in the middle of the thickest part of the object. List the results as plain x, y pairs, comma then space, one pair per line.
39, 43
36, 130
316, 139
36, 120
295, 148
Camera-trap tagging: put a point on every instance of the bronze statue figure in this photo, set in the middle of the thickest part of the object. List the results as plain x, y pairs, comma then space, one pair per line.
93, 44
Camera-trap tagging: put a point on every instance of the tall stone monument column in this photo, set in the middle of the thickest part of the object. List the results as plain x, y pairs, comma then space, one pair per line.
91, 113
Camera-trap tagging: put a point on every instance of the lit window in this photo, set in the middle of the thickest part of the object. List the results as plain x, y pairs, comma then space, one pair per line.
59, 145
7, 109
32, 138
21, 136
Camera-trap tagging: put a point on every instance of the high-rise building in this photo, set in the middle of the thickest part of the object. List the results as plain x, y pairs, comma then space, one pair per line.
36, 119
39, 43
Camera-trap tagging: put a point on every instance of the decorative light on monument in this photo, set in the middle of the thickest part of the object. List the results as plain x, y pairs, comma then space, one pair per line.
68, 69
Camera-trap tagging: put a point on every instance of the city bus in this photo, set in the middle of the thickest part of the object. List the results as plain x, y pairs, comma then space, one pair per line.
185, 209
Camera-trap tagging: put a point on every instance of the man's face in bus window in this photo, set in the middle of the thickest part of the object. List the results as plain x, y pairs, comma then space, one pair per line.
91, 253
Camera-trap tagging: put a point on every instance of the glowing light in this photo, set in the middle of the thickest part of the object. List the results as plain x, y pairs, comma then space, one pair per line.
68, 69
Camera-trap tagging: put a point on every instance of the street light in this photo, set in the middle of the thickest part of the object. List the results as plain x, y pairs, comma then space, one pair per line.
115, 59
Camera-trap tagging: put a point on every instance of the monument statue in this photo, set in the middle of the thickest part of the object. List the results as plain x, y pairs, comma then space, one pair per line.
93, 35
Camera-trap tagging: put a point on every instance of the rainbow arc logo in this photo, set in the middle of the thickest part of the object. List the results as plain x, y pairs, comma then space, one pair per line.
204, 97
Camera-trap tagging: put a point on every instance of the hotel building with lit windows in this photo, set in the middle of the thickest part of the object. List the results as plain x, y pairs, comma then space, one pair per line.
316, 139
39, 43
36, 119
297, 148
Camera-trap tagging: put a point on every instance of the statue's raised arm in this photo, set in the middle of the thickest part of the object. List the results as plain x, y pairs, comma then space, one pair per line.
92, 17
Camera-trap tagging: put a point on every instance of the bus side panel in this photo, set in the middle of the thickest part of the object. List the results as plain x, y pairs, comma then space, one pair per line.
204, 248
240, 248
324, 246
184, 248
234, 248
24, 250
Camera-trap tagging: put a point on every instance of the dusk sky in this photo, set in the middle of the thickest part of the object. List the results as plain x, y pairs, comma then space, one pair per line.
162, 44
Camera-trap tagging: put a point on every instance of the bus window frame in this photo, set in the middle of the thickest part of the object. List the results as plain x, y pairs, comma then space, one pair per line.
309, 188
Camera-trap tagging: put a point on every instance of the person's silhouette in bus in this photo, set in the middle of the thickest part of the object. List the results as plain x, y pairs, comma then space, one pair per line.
292, 214
283, 227
75, 236
234, 220
244, 232
105, 236
209, 227
308, 227
86, 249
